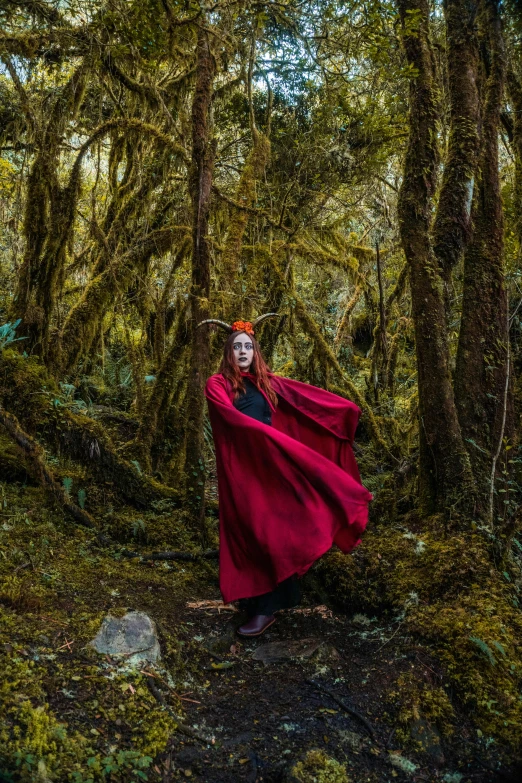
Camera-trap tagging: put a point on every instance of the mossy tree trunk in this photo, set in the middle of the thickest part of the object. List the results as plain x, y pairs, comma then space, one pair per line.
203, 154
50, 211
452, 225
82, 325
514, 86
481, 379
158, 406
445, 476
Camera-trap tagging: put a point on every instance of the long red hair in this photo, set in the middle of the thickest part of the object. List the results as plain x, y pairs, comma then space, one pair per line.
229, 369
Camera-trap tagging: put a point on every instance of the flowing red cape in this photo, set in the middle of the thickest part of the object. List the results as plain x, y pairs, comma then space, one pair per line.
286, 491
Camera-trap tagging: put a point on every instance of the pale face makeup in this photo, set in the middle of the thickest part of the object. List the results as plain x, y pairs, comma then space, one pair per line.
243, 351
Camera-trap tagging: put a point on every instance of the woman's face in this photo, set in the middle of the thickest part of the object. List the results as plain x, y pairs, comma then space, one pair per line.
243, 351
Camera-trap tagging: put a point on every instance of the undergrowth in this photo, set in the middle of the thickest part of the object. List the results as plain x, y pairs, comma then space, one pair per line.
68, 714
447, 595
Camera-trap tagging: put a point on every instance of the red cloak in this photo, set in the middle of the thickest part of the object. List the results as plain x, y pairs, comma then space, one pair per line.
286, 491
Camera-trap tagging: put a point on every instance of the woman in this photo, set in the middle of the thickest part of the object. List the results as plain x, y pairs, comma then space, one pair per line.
287, 479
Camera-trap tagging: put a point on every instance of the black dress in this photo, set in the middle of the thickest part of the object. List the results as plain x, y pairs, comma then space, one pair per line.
287, 593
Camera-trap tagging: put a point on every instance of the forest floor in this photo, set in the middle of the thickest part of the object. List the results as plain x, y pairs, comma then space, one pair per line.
277, 722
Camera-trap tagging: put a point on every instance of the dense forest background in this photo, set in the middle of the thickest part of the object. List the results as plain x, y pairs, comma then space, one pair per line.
355, 167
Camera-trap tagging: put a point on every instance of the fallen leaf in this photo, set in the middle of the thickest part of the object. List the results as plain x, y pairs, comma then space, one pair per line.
222, 665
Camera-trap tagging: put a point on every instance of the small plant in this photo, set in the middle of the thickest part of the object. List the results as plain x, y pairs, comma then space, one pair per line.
483, 647
124, 760
82, 497
139, 529
8, 333
67, 483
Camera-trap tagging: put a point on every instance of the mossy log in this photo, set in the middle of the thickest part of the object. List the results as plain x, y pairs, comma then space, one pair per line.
30, 393
13, 466
35, 459
210, 554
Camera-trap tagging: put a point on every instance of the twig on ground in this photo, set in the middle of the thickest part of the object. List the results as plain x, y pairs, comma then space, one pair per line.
181, 725
346, 707
212, 604
216, 657
157, 677
390, 737
20, 567
391, 637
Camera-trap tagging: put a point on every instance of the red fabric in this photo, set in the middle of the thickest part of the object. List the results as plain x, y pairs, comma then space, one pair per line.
287, 491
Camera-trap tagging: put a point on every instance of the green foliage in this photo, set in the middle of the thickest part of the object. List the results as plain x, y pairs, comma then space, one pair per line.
82, 497
67, 484
483, 647
317, 767
38, 742
8, 333
454, 601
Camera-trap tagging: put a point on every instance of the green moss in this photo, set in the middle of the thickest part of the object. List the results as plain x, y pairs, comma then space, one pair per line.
154, 731
30, 393
456, 603
32, 740
416, 700
317, 767
67, 714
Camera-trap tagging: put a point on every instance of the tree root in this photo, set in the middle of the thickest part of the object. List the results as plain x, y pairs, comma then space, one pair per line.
181, 725
36, 463
346, 707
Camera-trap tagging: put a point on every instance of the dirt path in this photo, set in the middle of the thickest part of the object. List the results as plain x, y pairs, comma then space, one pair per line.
265, 717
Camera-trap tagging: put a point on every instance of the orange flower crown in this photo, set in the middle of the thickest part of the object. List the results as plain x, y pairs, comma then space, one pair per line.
243, 326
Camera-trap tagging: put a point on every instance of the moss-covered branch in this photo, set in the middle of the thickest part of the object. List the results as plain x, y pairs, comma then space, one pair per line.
35, 460
30, 393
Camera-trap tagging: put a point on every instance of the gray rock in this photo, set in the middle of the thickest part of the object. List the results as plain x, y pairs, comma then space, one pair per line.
132, 637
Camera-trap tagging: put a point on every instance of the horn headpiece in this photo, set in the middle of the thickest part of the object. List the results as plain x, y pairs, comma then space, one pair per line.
239, 326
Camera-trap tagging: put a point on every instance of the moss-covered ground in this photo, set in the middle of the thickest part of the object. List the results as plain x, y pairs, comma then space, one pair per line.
420, 633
